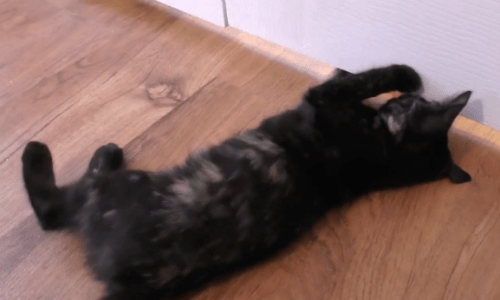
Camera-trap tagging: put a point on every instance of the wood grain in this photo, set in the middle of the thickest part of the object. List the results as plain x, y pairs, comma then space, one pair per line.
88, 72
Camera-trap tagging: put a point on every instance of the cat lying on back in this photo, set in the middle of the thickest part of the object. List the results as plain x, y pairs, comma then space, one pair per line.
155, 235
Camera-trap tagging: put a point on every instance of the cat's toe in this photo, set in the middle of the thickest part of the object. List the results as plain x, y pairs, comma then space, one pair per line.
407, 79
36, 156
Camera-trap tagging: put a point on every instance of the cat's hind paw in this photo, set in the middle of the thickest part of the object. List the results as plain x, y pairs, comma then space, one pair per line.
36, 158
46, 199
107, 158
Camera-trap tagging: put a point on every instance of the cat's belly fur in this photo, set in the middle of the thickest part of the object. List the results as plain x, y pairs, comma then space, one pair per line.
224, 206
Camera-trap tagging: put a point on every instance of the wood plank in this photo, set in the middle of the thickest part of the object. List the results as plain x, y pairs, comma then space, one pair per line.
96, 98
59, 37
21, 117
51, 109
99, 112
221, 110
163, 87
214, 107
55, 269
114, 79
69, 257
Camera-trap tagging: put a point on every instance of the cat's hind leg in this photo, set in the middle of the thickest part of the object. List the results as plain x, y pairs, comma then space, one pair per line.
55, 206
45, 197
107, 158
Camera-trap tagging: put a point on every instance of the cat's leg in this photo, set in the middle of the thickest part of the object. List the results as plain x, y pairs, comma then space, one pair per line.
55, 206
360, 86
45, 197
107, 158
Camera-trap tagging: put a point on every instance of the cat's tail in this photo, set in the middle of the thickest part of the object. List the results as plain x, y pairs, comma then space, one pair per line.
45, 197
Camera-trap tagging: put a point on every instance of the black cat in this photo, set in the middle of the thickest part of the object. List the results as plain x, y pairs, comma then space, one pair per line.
158, 235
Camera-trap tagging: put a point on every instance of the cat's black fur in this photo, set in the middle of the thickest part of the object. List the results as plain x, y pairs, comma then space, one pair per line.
158, 235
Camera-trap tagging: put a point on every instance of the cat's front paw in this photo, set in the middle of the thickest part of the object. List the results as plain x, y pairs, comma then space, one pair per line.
406, 78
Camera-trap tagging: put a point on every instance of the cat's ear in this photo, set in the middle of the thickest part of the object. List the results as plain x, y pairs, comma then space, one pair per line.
457, 175
340, 73
454, 106
447, 113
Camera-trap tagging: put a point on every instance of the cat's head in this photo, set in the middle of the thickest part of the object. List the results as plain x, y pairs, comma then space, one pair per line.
420, 129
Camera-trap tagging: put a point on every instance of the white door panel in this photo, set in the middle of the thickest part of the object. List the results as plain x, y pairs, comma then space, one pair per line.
455, 45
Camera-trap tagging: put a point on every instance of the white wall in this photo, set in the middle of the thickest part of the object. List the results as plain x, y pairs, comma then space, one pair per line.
455, 45
208, 10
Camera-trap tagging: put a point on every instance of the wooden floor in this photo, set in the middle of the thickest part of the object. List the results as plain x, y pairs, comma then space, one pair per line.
80, 73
